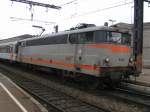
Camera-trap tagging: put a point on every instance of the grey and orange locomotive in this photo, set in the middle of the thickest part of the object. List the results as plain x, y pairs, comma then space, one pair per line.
100, 52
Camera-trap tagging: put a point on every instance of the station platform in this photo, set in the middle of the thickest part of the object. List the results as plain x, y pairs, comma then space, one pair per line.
144, 76
15, 99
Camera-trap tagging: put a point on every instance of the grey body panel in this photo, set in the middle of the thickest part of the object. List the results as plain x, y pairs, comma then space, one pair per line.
71, 57
75, 54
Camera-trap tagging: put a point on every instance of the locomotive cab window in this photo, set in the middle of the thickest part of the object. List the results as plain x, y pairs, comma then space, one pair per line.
126, 39
23, 44
119, 38
114, 37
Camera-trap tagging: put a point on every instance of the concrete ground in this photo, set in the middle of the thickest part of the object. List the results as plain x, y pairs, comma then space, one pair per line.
14, 99
144, 76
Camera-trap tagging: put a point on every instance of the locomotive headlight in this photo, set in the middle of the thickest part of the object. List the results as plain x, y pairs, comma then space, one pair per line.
107, 60
130, 60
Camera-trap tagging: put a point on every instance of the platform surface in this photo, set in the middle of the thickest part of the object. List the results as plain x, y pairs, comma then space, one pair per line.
14, 99
144, 76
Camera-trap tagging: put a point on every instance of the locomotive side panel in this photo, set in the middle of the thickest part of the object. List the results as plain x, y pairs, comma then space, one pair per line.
84, 52
55, 56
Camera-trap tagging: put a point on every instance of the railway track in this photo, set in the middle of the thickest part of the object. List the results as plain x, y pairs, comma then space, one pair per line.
110, 100
56, 100
135, 96
136, 86
137, 83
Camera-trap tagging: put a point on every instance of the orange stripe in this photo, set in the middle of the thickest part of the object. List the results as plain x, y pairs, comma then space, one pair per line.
90, 67
59, 63
113, 48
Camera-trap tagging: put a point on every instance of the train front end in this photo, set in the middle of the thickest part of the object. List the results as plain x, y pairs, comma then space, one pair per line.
114, 52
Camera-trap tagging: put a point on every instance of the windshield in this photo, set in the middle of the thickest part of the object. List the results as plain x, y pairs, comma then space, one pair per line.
126, 39
112, 37
119, 38
100, 36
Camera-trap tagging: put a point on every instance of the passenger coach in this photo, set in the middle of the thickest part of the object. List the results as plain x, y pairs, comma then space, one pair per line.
8, 51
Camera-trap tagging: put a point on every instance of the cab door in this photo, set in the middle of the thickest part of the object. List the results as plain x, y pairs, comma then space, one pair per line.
79, 52
79, 41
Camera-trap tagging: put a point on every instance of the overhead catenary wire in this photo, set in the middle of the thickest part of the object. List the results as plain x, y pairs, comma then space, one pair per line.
23, 19
99, 10
91, 12
76, 15
70, 2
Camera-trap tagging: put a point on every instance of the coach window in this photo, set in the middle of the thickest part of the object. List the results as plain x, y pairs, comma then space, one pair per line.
73, 38
23, 44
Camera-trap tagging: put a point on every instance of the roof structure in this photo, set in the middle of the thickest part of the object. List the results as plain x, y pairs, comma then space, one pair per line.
129, 26
16, 38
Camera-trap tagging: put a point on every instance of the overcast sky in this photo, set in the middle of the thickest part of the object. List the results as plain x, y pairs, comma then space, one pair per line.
71, 13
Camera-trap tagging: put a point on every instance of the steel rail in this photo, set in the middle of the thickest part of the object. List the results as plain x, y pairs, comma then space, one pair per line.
58, 100
106, 99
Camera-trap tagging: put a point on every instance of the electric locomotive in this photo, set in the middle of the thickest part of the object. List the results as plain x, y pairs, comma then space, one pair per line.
100, 52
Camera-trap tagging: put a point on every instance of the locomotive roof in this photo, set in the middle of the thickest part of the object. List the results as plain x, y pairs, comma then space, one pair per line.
76, 31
